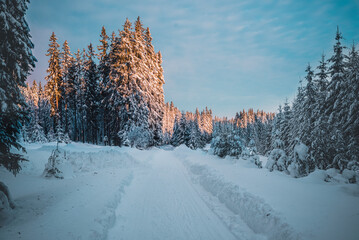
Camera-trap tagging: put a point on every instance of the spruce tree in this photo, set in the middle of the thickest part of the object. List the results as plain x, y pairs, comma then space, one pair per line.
16, 62
54, 81
308, 108
286, 127
66, 62
44, 110
334, 100
320, 132
92, 94
104, 72
179, 128
122, 70
351, 122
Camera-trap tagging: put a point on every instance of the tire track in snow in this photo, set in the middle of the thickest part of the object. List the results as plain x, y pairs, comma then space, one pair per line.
161, 203
107, 218
237, 207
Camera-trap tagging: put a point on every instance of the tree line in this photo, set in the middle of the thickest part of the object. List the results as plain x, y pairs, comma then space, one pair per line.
322, 121
114, 95
117, 98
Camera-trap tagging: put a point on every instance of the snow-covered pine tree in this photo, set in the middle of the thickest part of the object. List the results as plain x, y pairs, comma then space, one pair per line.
277, 159
207, 124
72, 95
193, 135
260, 135
16, 62
92, 97
82, 108
139, 134
235, 142
123, 79
298, 119
113, 96
222, 142
29, 110
178, 136
32, 130
54, 81
286, 127
155, 92
300, 164
44, 110
308, 108
334, 100
135, 70
351, 123
169, 117
104, 72
66, 62
219, 141
320, 131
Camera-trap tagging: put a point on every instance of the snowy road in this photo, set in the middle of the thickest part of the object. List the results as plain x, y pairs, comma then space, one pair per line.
122, 193
161, 203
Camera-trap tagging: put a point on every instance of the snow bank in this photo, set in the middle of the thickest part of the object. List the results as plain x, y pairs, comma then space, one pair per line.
258, 215
107, 218
80, 206
77, 158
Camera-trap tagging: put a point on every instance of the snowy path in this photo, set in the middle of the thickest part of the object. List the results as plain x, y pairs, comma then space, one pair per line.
123, 193
161, 203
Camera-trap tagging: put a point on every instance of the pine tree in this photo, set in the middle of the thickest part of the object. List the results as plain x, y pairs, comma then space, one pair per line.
122, 70
155, 81
135, 71
113, 97
221, 144
286, 127
82, 107
193, 138
320, 131
54, 81
179, 128
351, 123
66, 63
16, 61
104, 72
72, 92
44, 111
92, 95
308, 106
334, 101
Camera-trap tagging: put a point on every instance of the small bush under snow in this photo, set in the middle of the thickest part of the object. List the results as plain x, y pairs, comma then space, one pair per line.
277, 160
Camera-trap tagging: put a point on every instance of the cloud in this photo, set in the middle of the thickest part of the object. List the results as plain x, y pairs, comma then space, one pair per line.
225, 54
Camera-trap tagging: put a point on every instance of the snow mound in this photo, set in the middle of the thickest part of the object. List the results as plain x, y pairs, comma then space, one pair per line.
90, 162
107, 219
277, 160
258, 215
301, 151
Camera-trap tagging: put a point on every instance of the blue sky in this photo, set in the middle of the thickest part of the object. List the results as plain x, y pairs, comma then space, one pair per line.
227, 55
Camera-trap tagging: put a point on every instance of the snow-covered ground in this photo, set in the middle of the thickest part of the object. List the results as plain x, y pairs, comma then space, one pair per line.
124, 193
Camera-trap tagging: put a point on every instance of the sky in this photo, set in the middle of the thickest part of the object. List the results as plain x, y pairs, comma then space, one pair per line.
227, 55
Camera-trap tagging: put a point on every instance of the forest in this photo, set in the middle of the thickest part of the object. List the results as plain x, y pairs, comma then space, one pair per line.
113, 94
97, 142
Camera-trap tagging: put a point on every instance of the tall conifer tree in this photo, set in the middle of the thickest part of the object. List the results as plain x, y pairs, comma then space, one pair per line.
54, 81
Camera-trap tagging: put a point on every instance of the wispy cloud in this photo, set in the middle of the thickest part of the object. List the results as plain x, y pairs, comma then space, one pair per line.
227, 55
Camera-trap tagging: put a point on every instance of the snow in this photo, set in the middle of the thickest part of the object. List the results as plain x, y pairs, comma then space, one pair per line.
171, 193
301, 151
